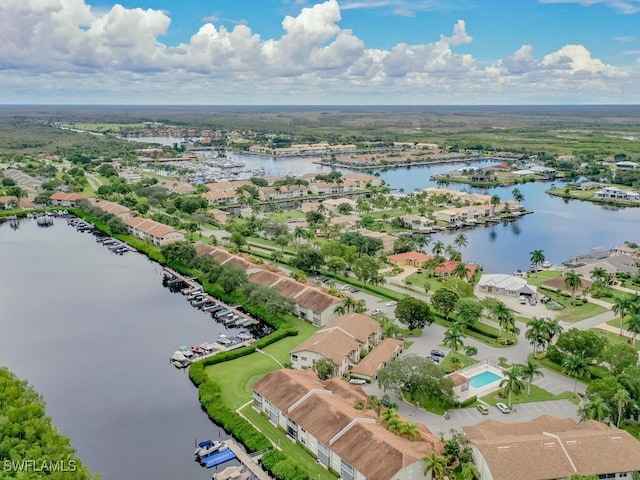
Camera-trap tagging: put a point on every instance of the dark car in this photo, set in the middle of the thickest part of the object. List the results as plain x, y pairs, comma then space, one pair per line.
437, 353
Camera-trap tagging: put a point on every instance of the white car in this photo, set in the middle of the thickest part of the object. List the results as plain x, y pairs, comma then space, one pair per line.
392, 303
503, 408
377, 311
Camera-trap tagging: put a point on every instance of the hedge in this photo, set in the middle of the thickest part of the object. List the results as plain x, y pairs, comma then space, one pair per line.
283, 467
469, 401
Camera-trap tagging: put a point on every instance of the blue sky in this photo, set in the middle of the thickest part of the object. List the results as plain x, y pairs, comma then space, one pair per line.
331, 51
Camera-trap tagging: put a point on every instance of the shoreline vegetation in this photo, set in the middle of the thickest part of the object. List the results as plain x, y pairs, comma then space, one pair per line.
30, 446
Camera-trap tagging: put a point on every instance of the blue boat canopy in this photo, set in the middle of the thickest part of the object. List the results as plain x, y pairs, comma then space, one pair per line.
205, 443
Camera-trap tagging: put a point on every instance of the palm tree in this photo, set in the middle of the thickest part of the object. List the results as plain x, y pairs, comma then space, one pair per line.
422, 241
528, 371
495, 200
596, 409
552, 328
536, 333
599, 275
633, 325
298, 233
517, 195
340, 309
437, 248
436, 465
389, 327
469, 472
575, 366
461, 241
502, 314
453, 337
361, 306
410, 430
573, 281
512, 382
452, 253
461, 271
395, 424
387, 414
622, 399
349, 303
621, 306
537, 258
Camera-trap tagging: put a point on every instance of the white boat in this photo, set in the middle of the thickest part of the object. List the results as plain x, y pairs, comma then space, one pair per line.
207, 448
546, 264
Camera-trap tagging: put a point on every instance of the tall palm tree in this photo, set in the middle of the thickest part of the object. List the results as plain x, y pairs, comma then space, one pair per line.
349, 303
536, 333
436, 465
517, 195
596, 409
453, 337
573, 281
461, 271
622, 399
422, 241
537, 258
495, 200
461, 241
361, 306
389, 327
502, 313
621, 306
452, 253
633, 325
438, 248
512, 382
340, 309
575, 366
552, 328
528, 371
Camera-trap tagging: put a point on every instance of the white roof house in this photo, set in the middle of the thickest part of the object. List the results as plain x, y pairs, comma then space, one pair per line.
503, 284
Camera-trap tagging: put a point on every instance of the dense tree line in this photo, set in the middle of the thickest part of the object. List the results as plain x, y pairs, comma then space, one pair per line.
30, 446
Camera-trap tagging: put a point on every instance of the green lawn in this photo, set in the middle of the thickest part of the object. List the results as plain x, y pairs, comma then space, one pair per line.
615, 338
582, 312
237, 377
302, 458
615, 322
539, 277
537, 395
447, 366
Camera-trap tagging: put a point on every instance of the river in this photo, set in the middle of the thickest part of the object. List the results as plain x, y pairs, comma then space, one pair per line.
93, 331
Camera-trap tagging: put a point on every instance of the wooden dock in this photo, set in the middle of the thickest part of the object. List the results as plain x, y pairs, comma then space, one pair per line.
249, 462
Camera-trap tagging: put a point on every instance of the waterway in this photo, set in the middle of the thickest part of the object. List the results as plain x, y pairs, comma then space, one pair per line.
561, 228
93, 331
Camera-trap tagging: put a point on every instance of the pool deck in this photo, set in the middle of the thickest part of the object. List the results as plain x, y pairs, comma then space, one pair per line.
465, 392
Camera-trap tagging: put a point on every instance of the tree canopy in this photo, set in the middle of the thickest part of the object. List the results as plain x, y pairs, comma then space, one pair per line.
413, 312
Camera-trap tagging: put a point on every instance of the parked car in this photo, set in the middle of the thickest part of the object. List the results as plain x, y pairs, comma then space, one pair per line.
523, 300
392, 303
357, 381
377, 311
503, 408
437, 353
482, 408
345, 288
435, 359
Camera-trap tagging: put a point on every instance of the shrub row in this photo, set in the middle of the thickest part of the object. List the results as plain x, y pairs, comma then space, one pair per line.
469, 401
209, 394
283, 467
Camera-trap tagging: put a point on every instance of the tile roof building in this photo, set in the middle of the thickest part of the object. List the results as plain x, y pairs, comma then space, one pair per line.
321, 415
311, 303
415, 259
152, 231
113, 208
61, 199
503, 284
552, 448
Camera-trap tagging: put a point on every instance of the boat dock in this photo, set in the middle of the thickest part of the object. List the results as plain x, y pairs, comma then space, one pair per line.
250, 461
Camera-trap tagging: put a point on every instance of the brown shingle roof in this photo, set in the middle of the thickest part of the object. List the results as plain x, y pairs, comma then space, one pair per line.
378, 357
289, 288
547, 446
418, 257
333, 344
558, 284
150, 227
264, 278
69, 196
111, 207
316, 300
285, 387
360, 326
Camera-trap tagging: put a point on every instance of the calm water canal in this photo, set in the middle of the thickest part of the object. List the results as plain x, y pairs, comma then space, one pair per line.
93, 332
562, 229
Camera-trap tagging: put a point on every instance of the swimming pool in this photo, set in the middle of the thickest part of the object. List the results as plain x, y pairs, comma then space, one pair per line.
483, 379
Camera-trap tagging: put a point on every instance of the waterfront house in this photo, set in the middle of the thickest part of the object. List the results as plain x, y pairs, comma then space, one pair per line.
282, 193
387, 240
449, 215
60, 199
508, 285
413, 259
615, 193
321, 415
558, 285
417, 223
362, 181
447, 268
542, 170
333, 204
551, 447
155, 232
8, 202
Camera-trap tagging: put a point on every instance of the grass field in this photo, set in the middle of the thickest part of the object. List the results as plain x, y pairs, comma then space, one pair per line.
238, 376
614, 338
537, 395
